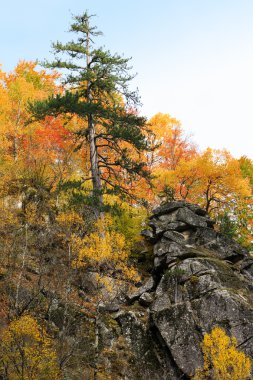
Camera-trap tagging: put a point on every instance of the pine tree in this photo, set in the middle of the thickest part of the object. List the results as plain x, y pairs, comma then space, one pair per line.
97, 90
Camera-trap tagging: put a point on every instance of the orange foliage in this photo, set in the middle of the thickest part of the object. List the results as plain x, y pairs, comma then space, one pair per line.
23, 84
212, 179
174, 145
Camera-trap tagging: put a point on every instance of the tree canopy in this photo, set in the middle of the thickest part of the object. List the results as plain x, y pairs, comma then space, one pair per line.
96, 88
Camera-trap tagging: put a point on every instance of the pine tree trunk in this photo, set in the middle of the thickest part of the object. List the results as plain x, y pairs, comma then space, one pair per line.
96, 178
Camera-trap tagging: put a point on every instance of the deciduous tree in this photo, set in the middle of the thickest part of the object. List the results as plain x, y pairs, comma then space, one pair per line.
173, 145
212, 179
26, 352
222, 359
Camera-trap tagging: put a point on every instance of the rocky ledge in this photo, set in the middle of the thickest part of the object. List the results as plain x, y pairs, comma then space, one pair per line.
201, 279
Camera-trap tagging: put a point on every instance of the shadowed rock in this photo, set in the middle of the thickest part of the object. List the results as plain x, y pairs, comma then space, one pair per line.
201, 279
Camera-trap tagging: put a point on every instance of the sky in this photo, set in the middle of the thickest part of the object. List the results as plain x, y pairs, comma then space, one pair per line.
193, 58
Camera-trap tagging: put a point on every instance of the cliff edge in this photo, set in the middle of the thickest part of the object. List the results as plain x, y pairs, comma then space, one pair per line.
201, 279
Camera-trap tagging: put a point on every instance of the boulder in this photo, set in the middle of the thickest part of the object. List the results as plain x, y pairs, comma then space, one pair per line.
175, 205
147, 287
175, 236
146, 299
189, 217
203, 279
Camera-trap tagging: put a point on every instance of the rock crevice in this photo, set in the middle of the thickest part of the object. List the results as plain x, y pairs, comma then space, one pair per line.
201, 279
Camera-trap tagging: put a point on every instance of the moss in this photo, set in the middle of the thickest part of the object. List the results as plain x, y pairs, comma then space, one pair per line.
224, 265
176, 273
139, 311
111, 323
116, 360
194, 280
144, 259
223, 270
242, 292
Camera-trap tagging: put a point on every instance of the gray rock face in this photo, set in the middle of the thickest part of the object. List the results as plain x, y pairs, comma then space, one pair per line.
175, 236
201, 279
146, 299
147, 287
175, 205
187, 216
152, 361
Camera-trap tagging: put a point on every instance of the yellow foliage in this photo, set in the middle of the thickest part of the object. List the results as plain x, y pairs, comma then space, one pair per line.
69, 220
103, 246
26, 351
9, 216
128, 220
222, 360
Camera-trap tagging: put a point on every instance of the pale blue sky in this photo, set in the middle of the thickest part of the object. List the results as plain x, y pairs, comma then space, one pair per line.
194, 58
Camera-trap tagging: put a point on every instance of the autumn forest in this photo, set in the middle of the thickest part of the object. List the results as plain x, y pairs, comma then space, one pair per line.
81, 170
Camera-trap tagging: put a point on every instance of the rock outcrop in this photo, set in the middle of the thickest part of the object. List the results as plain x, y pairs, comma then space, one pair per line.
194, 279
201, 279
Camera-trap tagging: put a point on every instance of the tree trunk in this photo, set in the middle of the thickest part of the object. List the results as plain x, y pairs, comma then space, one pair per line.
96, 347
96, 178
24, 255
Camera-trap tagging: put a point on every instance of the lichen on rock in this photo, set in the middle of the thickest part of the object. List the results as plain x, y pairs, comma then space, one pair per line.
201, 279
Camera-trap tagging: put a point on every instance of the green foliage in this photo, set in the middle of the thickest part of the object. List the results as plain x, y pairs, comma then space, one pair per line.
55, 105
227, 226
59, 260
168, 194
174, 274
126, 219
98, 92
246, 166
